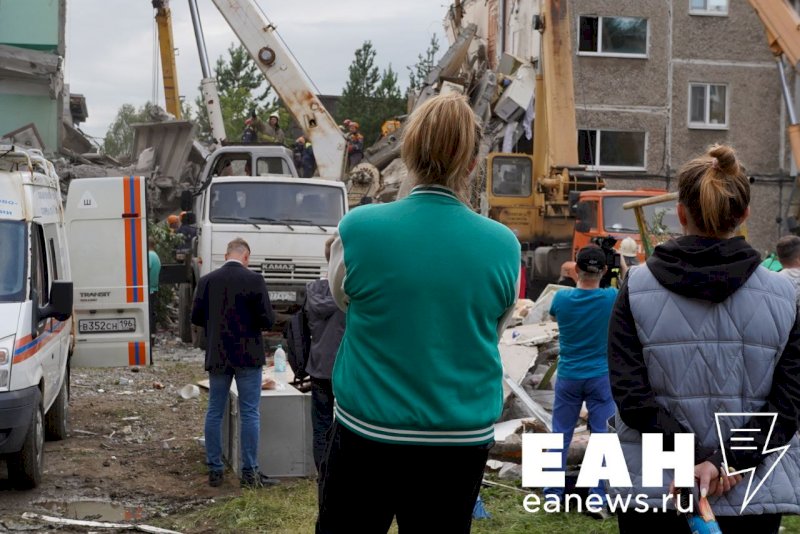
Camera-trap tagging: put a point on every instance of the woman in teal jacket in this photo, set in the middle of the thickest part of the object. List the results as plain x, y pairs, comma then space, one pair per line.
427, 285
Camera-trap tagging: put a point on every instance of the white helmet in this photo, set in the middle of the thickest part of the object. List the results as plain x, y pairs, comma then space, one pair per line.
628, 247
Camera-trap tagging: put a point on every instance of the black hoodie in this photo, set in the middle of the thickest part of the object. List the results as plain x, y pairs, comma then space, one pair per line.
707, 269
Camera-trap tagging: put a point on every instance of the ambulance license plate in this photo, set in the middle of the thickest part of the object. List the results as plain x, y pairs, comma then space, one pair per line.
282, 296
105, 326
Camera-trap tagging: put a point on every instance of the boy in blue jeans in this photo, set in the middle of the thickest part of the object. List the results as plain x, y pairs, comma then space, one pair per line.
582, 315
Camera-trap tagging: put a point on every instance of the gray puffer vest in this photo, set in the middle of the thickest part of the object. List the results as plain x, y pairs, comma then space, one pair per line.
704, 358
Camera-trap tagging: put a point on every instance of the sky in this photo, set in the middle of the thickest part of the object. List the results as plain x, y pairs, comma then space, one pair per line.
110, 44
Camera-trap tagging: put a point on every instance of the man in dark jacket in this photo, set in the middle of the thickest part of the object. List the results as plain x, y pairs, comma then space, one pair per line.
232, 304
326, 322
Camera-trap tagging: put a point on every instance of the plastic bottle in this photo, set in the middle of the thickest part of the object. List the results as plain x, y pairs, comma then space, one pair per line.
280, 360
702, 522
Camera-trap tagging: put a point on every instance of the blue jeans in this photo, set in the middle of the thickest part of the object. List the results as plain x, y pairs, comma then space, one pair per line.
248, 384
570, 395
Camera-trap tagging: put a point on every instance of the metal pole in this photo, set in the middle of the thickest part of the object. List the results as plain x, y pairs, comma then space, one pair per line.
786, 94
198, 35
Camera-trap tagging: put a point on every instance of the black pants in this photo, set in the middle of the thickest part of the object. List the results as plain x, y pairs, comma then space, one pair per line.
365, 484
633, 523
321, 416
152, 306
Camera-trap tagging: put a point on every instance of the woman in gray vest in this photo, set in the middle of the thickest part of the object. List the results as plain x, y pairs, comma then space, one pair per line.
700, 330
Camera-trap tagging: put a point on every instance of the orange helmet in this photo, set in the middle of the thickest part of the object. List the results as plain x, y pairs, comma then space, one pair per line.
173, 219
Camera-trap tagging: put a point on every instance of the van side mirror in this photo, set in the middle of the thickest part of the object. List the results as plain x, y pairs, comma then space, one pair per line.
582, 226
186, 201
60, 305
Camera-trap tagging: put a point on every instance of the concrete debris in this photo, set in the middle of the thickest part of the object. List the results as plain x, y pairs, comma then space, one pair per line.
510, 471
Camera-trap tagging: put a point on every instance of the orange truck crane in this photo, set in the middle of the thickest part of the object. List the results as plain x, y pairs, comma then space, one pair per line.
551, 202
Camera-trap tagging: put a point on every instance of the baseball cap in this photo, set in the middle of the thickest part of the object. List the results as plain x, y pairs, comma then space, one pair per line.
591, 259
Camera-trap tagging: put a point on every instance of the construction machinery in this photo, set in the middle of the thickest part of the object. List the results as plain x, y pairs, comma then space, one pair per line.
166, 47
782, 25
553, 204
290, 83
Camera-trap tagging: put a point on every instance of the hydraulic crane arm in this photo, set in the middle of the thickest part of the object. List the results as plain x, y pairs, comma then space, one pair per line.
287, 79
208, 85
166, 47
782, 24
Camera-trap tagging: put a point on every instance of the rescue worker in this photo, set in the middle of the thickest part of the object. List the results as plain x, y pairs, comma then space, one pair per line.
266, 133
174, 222
355, 146
272, 132
309, 161
297, 152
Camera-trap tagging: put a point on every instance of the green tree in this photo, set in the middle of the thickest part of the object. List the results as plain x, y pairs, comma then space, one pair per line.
370, 97
118, 142
425, 63
242, 88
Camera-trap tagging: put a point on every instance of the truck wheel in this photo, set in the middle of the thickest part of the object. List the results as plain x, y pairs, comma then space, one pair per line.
55, 421
25, 467
185, 312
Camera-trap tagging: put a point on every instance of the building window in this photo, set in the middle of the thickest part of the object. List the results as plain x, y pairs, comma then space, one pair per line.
613, 36
612, 150
708, 106
709, 7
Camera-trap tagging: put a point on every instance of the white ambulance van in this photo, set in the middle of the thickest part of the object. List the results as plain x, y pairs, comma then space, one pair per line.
35, 309
107, 232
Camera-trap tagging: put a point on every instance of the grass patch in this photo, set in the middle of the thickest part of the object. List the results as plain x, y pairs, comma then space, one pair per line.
292, 508
288, 508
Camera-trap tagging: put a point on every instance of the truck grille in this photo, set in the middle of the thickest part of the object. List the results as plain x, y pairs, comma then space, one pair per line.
287, 271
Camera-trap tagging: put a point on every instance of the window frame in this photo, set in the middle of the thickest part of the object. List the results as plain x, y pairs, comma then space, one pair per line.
599, 52
596, 151
706, 125
709, 13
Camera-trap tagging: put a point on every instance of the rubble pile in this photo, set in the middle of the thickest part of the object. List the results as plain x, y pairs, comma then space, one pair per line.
529, 350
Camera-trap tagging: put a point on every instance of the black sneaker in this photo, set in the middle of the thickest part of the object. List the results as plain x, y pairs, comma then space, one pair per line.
215, 478
254, 480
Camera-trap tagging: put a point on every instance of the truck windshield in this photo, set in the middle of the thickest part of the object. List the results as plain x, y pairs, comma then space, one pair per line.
660, 218
12, 261
300, 204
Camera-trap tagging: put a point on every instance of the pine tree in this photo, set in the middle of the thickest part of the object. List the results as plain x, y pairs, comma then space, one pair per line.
419, 72
242, 89
118, 142
370, 97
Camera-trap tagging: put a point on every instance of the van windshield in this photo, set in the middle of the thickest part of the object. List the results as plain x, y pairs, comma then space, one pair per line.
269, 202
12, 261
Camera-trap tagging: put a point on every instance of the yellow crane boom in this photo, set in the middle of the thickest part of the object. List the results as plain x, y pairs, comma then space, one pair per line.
166, 47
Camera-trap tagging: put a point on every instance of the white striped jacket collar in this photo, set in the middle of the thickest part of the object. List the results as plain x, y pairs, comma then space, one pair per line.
434, 190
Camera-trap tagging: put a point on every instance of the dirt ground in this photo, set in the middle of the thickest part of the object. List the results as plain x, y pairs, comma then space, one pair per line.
134, 451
